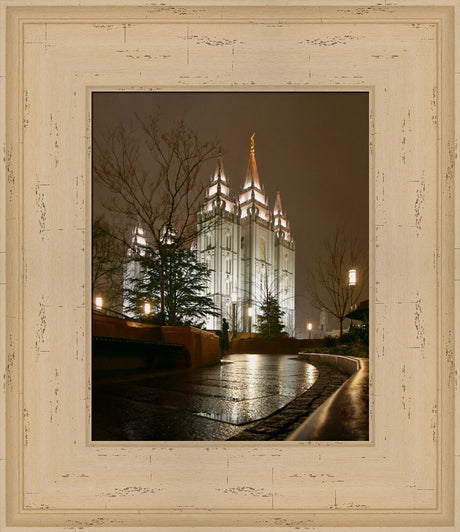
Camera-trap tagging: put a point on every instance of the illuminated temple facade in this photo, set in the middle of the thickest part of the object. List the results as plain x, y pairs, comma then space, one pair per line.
249, 248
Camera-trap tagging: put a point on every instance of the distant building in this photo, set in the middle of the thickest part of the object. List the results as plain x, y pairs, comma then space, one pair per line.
323, 322
248, 247
132, 268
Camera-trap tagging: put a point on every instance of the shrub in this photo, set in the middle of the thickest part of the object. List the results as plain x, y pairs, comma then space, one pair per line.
347, 338
346, 350
358, 333
330, 341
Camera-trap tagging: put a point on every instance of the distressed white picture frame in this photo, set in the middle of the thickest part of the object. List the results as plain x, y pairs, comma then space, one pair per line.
53, 56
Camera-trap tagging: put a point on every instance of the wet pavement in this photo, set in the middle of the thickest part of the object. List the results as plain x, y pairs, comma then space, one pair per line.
220, 402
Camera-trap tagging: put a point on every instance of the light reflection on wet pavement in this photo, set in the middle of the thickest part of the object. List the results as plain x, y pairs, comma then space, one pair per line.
213, 403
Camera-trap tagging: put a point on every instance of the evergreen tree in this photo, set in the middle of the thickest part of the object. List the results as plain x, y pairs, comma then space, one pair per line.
178, 273
269, 322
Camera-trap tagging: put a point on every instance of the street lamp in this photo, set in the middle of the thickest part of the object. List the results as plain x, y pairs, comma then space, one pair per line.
147, 308
234, 300
98, 303
351, 283
351, 277
309, 328
250, 320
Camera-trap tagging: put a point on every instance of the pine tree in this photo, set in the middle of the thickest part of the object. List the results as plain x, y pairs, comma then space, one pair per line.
184, 279
269, 322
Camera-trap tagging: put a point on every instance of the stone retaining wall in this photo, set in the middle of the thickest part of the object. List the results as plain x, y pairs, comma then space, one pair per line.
346, 364
273, 346
201, 346
106, 326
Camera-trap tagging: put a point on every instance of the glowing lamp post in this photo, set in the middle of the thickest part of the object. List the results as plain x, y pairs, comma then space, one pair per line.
351, 283
234, 300
250, 320
309, 328
351, 277
147, 308
98, 303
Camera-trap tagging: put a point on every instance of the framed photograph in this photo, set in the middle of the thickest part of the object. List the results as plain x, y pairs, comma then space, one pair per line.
55, 58
229, 274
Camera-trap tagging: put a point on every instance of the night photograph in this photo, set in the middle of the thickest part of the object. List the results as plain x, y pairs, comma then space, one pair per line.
230, 266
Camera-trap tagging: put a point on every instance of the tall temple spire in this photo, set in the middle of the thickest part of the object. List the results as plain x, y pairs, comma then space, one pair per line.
278, 208
218, 193
252, 175
281, 223
252, 197
219, 174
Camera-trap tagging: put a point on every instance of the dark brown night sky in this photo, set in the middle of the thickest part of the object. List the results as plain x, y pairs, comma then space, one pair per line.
312, 145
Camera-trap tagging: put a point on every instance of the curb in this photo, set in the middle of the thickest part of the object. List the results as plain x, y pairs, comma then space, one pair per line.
344, 416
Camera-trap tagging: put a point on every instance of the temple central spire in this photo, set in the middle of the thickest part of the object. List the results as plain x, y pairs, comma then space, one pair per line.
252, 175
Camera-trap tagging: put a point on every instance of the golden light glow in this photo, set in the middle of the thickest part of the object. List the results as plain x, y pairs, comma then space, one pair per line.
352, 277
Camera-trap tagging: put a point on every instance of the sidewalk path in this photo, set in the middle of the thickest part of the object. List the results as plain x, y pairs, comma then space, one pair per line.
248, 397
280, 425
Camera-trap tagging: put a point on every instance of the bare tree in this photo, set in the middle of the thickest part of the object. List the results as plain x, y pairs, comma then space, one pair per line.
328, 285
152, 176
107, 263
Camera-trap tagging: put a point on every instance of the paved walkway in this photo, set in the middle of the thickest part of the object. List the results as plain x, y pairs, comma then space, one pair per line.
281, 424
249, 397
